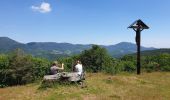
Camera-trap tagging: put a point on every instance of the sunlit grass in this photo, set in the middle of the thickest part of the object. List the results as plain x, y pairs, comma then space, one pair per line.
124, 86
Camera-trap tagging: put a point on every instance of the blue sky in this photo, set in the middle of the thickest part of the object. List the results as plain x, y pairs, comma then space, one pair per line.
85, 21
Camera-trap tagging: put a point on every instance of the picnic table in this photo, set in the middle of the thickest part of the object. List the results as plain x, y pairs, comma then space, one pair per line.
70, 76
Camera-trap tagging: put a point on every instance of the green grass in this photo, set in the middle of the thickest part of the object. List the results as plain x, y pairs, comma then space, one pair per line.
124, 86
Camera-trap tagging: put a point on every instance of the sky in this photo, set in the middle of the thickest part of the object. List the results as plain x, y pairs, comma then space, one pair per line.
101, 22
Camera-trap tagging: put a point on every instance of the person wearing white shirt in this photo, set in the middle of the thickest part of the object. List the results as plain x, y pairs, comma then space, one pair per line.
79, 68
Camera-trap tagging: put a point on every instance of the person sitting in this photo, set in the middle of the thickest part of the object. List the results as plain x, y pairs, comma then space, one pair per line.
79, 68
55, 68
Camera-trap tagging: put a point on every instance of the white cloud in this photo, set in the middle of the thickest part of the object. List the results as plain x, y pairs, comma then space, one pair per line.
43, 8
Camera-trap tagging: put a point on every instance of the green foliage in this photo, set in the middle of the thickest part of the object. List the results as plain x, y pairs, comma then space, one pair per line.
164, 62
164, 59
40, 67
165, 68
158, 62
114, 68
95, 58
129, 66
151, 66
15, 73
68, 63
128, 58
4, 61
21, 69
18, 68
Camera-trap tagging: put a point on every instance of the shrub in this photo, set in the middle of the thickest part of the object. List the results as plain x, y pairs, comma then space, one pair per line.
40, 67
4, 61
151, 66
95, 58
165, 68
18, 68
129, 66
114, 68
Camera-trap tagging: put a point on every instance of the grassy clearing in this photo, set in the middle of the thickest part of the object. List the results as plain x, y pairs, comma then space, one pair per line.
148, 86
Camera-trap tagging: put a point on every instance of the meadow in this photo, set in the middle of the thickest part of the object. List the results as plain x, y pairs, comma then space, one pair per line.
100, 86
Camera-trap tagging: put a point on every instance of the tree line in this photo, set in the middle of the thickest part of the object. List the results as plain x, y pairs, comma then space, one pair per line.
17, 68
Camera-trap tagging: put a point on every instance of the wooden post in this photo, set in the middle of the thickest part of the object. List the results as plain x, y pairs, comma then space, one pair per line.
138, 26
138, 50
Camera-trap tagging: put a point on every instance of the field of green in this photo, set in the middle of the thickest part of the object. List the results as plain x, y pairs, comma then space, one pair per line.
124, 86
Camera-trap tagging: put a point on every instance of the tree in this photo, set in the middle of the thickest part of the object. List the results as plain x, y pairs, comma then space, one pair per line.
4, 61
95, 58
19, 68
40, 67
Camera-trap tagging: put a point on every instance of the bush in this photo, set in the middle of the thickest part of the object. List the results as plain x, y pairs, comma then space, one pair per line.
129, 66
157, 62
4, 61
40, 67
114, 68
151, 66
165, 68
18, 68
68, 63
95, 59
4, 64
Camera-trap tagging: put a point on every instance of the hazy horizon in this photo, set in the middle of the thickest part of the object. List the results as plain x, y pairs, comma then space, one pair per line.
85, 22
75, 43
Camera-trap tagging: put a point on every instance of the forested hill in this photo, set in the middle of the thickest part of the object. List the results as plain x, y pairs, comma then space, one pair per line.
123, 48
52, 50
155, 52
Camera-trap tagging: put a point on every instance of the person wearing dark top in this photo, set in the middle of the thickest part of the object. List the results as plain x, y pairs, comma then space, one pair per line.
55, 68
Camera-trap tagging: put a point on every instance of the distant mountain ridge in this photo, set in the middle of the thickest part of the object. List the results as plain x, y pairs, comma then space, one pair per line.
124, 48
7, 43
51, 50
